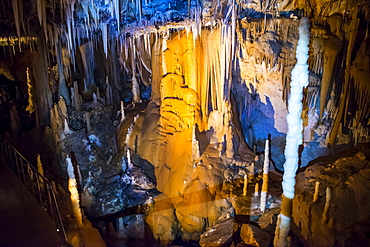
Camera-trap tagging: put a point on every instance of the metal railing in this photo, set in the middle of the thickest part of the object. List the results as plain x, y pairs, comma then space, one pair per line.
38, 185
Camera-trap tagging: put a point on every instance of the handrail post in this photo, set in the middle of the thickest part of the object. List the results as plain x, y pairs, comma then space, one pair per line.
49, 202
58, 220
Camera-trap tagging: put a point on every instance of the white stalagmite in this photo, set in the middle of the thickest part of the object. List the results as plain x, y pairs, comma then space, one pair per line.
128, 156
75, 197
265, 177
95, 99
195, 147
294, 134
66, 127
316, 195
129, 132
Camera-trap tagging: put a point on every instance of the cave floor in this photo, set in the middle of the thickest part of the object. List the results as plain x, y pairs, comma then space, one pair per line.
22, 220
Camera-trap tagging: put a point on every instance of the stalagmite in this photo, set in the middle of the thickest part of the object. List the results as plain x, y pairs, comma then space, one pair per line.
256, 189
229, 143
128, 156
128, 135
63, 107
79, 177
245, 187
294, 134
95, 98
251, 169
98, 94
75, 198
316, 195
195, 147
265, 177
325, 213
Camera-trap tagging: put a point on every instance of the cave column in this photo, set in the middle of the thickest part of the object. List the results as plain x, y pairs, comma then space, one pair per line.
294, 134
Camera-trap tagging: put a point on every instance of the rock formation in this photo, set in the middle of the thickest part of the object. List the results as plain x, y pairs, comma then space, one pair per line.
159, 103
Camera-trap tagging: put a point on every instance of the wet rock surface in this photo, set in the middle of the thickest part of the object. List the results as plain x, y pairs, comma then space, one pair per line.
219, 234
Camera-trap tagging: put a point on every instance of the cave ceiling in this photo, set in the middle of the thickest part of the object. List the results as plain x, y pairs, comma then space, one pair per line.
67, 28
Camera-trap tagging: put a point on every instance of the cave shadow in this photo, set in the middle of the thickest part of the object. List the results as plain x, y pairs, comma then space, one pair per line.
258, 122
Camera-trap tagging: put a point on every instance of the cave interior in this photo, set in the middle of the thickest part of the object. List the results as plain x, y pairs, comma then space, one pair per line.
170, 122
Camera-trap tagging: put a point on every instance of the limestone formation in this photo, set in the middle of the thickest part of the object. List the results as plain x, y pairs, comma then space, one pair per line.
348, 206
159, 103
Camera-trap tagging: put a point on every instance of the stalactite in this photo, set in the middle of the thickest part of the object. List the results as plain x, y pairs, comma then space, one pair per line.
41, 13
16, 18
104, 30
330, 55
43, 91
135, 84
351, 32
87, 56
